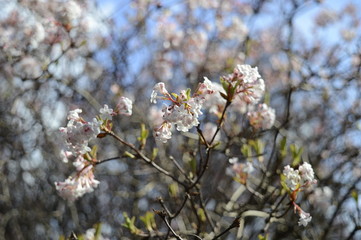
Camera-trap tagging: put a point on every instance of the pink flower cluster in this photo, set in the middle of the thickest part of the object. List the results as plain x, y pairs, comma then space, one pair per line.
184, 110
249, 85
79, 132
77, 135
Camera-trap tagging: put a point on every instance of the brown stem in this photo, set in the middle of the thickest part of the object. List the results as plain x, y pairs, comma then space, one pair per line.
144, 158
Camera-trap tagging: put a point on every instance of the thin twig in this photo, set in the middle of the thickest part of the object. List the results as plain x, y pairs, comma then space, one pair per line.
144, 158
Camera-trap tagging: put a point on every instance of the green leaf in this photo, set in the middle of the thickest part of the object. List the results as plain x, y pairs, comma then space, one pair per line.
283, 147
283, 183
261, 237
93, 152
154, 153
143, 134
354, 194
193, 165
173, 190
267, 98
246, 150
98, 232
201, 215
258, 147
128, 154
224, 83
188, 93
129, 224
296, 154
149, 221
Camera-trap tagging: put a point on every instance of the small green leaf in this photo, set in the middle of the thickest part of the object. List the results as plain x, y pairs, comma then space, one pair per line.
128, 154
188, 93
149, 221
246, 150
173, 190
193, 165
129, 224
261, 237
283, 147
143, 134
93, 152
354, 194
154, 153
201, 215
296, 154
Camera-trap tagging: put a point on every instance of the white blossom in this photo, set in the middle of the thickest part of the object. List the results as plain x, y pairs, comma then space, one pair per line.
78, 132
305, 218
215, 102
184, 110
205, 88
306, 172
73, 188
163, 133
299, 178
125, 106
292, 177
247, 73
158, 88
106, 113
263, 117
249, 85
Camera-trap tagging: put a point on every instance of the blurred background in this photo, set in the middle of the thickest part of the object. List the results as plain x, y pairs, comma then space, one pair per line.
60, 55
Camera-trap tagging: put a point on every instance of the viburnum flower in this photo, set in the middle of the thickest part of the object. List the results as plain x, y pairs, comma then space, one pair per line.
73, 188
292, 177
215, 102
159, 88
163, 133
79, 132
249, 86
124, 106
184, 110
306, 173
305, 218
302, 177
263, 117
106, 113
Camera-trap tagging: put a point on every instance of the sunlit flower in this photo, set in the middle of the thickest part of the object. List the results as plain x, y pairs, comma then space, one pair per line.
124, 106
158, 88
292, 177
79, 132
73, 188
306, 172
184, 110
163, 133
106, 113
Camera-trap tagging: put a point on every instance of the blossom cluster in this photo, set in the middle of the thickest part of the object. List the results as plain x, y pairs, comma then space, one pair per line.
77, 135
184, 110
296, 180
247, 90
248, 84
